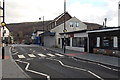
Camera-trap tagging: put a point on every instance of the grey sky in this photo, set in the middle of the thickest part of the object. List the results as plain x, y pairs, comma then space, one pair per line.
93, 11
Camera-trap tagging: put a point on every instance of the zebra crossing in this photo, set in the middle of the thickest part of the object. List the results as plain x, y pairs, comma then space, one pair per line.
39, 55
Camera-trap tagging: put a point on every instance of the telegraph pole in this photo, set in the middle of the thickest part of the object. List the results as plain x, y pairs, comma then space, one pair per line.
43, 24
64, 26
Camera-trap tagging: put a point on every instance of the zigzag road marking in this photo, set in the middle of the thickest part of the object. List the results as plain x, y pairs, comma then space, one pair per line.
77, 68
26, 68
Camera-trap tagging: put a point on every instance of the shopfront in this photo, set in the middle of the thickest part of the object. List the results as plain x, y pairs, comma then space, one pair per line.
106, 41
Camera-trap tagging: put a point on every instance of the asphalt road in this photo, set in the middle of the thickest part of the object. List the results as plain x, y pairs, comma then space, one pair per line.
40, 63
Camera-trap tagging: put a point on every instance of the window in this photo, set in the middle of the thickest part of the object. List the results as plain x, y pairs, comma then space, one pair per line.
58, 40
106, 42
115, 42
71, 24
78, 42
98, 42
77, 24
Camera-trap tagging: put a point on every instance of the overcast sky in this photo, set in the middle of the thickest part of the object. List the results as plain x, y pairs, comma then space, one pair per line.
93, 11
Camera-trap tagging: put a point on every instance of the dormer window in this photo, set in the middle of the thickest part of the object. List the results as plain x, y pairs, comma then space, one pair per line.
76, 24
71, 24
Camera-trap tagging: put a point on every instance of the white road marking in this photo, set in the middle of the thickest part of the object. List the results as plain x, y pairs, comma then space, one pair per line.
78, 60
42, 55
51, 55
104, 66
16, 63
29, 59
97, 64
21, 56
31, 55
77, 68
95, 75
115, 69
59, 55
26, 68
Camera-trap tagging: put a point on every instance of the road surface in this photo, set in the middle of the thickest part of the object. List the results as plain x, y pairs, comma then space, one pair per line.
41, 63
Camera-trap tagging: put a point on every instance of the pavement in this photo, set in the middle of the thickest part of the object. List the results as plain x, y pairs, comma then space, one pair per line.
98, 58
10, 70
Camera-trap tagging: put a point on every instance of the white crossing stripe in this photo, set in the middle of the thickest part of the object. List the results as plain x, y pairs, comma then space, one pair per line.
51, 55
21, 56
42, 55
31, 55
59, 55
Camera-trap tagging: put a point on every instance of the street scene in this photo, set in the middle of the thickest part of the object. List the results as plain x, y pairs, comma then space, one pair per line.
61, 44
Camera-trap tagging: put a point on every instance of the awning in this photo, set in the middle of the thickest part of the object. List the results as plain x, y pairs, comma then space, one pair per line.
48, 34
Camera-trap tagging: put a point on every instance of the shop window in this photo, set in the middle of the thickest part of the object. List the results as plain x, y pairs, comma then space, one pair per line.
98, 42
78, 42
115, 42
106, 42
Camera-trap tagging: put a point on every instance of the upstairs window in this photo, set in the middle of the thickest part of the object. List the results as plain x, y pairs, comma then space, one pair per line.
71, 24
76, 24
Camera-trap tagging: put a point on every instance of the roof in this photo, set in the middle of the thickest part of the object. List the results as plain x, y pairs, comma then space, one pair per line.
39, 30
58, 17
92, 26
61, 16
80, 31
48, 34
105, 29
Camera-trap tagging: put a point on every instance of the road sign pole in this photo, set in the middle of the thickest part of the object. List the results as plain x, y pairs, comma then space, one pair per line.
3, 39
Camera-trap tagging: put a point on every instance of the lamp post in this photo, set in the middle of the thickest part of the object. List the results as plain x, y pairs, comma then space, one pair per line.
43, 22
42, 41
64, 26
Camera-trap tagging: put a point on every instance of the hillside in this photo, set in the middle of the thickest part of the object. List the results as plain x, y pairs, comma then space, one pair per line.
25, 29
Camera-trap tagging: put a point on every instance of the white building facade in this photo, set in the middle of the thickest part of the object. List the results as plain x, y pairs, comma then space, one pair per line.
74, 39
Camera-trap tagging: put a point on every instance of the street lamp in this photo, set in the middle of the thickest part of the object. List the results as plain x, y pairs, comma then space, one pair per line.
64, 26
42, 41
43, 22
